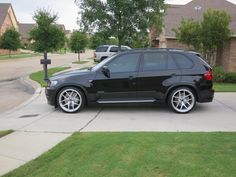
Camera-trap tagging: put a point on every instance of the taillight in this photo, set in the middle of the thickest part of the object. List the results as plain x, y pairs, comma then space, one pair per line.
208, 76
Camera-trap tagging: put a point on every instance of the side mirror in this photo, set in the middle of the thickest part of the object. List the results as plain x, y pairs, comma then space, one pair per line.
106, 71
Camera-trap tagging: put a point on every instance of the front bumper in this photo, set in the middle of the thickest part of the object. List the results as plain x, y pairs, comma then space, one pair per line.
50, 95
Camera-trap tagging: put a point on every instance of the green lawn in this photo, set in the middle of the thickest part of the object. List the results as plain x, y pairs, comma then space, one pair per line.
18, 56
137, 155
225, 87
80, 62
39, 76
5, 132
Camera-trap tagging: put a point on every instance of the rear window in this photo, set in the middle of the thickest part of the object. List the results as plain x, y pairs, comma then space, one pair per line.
124, 48
101, 49
182, 61
204, 61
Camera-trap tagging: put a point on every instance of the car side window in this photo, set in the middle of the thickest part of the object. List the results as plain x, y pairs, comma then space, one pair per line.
124, 63
182, 61
101, 49
171, 63
154, 61
114, 49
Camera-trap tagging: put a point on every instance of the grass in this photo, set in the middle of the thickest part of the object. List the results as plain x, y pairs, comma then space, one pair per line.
39, 76
5, 132
225, 87
137, 155
18, 56
80, 62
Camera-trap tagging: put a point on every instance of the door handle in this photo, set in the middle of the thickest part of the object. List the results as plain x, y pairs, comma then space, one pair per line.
173, 74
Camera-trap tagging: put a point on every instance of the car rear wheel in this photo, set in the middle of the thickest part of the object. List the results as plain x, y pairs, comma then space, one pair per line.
70, 100
182, 100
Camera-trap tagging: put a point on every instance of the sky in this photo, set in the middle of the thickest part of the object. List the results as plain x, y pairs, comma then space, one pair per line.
66, 9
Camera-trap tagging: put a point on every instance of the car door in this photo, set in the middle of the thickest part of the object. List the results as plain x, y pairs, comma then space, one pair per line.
157, 72
121, 85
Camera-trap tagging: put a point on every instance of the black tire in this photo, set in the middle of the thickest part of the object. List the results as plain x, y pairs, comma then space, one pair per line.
176, 103
81, 97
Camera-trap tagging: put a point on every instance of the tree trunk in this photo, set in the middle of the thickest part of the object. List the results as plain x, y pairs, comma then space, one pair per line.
119, 43
78, 55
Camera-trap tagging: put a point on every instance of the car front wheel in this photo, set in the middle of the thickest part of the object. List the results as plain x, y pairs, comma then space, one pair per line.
70, 100
182, 100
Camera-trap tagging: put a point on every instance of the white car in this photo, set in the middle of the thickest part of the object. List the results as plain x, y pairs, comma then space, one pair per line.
105, 51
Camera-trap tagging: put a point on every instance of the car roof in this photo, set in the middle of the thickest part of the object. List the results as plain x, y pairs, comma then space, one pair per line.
113, 46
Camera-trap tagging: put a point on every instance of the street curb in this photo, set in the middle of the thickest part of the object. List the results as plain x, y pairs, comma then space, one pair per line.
37, 92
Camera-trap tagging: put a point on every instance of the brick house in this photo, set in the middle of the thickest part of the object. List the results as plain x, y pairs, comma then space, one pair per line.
226, 57
7, 20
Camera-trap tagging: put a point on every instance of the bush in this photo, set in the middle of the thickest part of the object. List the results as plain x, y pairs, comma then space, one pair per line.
218, 74
230, 77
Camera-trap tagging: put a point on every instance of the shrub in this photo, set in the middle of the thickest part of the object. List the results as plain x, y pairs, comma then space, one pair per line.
230, 77
218, 74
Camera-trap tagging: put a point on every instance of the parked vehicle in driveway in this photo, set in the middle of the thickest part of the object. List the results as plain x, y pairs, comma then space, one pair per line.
176, 77
105, 51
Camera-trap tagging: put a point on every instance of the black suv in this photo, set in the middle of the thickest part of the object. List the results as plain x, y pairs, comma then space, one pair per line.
176, 77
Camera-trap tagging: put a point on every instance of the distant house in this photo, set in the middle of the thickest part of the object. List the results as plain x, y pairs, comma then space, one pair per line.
7, 17
226, 57
7, 20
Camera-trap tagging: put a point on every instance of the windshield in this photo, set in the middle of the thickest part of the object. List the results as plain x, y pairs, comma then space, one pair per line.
102, 63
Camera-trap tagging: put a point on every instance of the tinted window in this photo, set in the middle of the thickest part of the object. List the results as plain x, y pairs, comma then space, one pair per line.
171, 63
154, 61
182, 61
101, 49
124, 63
114, 49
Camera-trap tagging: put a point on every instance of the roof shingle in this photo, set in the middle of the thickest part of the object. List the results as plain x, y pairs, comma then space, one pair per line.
3, 11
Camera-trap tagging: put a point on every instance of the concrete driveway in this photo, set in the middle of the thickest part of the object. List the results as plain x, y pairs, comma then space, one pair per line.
40, 117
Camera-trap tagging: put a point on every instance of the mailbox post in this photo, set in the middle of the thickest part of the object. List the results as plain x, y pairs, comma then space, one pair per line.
45, 62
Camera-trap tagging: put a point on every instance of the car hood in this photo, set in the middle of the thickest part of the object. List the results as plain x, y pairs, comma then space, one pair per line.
70, 73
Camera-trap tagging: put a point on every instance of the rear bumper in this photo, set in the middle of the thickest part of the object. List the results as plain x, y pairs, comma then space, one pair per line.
206, 96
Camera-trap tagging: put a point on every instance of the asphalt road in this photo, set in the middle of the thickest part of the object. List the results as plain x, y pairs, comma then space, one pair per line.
13, 89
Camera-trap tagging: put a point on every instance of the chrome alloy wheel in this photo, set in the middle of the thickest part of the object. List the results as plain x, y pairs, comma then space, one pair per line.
70, 100
183, 100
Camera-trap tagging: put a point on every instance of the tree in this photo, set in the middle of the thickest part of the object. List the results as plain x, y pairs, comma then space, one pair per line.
10, 40
189, 32
215, 32
121, 19
47, 36
96, 40
208, 35
78, 42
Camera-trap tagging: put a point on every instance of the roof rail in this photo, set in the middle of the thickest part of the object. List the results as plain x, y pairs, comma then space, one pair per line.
160, 49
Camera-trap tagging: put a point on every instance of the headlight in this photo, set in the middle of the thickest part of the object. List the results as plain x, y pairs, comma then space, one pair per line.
53, 83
